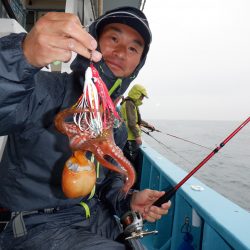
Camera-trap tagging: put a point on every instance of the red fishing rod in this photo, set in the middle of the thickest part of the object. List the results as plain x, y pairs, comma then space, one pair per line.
132, 222
169, 193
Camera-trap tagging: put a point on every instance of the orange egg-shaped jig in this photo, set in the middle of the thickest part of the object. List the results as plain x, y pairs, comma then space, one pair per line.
79, 176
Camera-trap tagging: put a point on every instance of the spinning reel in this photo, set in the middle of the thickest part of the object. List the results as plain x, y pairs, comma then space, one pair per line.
132, 224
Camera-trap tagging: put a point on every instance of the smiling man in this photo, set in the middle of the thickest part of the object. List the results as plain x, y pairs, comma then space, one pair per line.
121, 48
35, 153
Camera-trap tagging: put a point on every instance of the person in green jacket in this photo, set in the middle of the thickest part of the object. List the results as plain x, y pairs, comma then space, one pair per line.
131, 115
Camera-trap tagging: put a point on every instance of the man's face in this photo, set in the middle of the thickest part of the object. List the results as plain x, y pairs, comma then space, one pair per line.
122, 48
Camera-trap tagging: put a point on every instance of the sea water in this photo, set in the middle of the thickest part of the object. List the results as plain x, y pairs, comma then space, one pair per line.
227, 172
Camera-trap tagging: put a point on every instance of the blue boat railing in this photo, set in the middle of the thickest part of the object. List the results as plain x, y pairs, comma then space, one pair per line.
215, 222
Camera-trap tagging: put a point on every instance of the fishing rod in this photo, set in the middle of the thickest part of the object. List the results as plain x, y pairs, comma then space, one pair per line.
132, 222
170, 192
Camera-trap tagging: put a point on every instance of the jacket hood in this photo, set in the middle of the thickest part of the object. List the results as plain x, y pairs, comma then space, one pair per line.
80, 63
136, 91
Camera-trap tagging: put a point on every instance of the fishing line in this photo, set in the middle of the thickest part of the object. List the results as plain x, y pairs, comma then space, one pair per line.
191, 142
177, 137
169, 193
180, 138
165, 146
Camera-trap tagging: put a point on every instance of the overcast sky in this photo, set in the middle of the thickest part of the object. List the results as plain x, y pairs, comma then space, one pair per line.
198, 67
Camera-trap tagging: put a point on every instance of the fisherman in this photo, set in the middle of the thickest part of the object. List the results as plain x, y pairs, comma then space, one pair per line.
132, 117
35, 153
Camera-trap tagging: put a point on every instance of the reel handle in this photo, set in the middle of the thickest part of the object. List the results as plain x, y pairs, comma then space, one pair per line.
132, 224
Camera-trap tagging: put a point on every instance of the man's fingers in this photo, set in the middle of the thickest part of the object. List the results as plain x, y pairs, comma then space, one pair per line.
73, 45
155, 195
158, 210
55, 54
53, 48
71, 36
68, 25
151, 216
57, 33
166, 205
154, 213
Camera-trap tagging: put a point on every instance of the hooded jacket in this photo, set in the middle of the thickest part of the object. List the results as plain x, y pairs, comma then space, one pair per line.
35, 152
130, 111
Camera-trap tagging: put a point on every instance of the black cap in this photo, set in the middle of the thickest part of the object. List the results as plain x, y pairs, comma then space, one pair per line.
130, 16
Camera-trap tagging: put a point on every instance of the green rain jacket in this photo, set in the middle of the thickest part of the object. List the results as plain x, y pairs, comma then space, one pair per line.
130, 111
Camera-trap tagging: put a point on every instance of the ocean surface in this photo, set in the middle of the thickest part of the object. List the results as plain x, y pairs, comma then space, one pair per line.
227, 172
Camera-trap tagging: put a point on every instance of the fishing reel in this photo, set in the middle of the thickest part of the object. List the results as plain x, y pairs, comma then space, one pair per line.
132, 224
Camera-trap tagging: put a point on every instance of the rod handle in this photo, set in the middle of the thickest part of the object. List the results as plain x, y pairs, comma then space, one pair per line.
169, 193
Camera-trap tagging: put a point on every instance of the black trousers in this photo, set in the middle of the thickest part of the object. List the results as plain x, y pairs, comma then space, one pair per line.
131, 151
66, 229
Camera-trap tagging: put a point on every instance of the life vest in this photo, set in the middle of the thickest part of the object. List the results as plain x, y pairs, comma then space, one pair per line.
124, 116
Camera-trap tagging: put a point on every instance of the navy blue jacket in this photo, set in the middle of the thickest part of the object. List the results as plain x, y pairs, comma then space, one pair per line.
35, 153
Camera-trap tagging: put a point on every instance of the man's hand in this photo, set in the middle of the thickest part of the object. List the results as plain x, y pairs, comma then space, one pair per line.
142, 202
55, 36
152, 127
138, 140
148, 126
